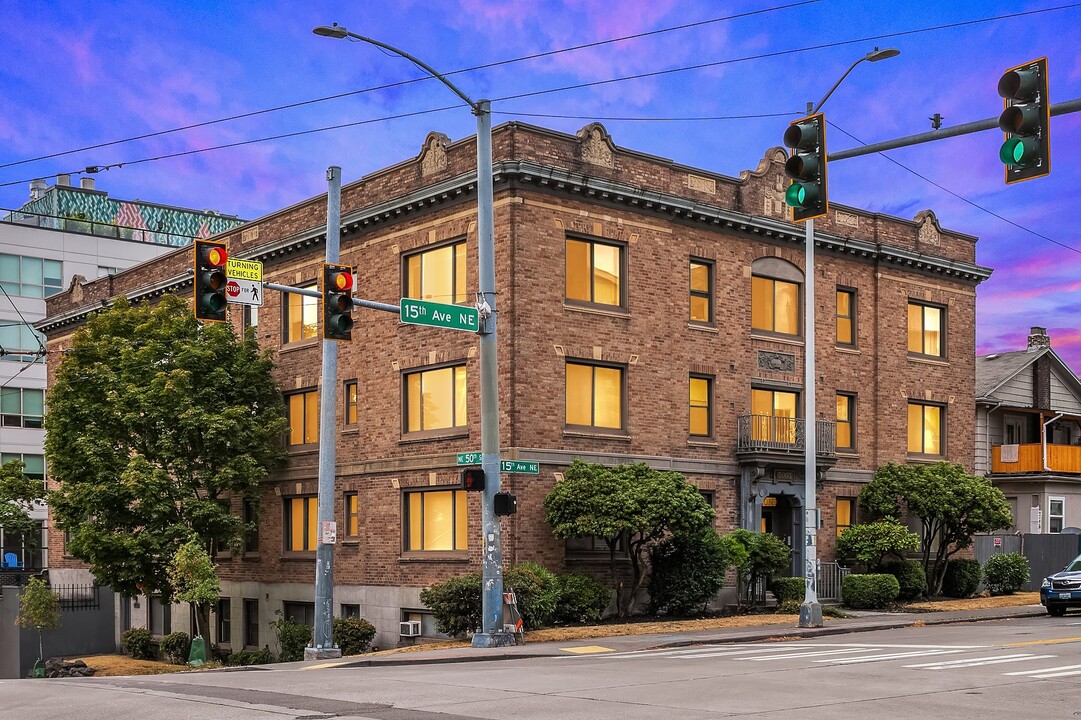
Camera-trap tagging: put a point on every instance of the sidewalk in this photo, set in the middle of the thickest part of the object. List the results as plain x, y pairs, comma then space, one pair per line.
859, 622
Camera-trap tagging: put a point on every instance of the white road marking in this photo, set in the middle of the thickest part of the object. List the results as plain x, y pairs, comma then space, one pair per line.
975, 662
1050, 672
889, 656
809, 653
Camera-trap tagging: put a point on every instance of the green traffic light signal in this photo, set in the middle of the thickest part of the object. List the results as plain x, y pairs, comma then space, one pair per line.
1026, 121
210, 280
807, 195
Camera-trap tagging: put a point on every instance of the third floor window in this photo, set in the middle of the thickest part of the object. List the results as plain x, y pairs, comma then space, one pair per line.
435, 399
437, 274
22, 407
775, 306
701, 291
594, 272
303, 411
926, 329
846, 317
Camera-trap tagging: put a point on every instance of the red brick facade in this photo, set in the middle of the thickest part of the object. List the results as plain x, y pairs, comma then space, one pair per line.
549, 186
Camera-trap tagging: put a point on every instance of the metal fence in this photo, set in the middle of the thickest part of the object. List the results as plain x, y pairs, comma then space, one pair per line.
831, 576
1047, 553
78, 597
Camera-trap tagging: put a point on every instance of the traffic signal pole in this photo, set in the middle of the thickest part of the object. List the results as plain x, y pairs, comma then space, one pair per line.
323, 646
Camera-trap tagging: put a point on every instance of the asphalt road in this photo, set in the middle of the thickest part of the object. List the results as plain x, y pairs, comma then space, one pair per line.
1020, 668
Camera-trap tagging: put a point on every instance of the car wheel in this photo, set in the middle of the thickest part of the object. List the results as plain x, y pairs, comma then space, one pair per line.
1056, 611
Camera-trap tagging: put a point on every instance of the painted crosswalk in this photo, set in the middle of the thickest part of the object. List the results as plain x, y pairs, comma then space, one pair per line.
940, 658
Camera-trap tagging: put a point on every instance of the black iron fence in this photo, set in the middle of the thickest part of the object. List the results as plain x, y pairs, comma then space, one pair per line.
78, 597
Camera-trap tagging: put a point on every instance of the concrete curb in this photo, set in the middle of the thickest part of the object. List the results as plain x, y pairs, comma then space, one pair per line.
881, 621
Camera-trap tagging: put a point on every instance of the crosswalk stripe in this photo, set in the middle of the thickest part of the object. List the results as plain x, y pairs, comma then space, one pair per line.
1047, 676
890, 656
1046, 669
809, 653
729, 653
976, 662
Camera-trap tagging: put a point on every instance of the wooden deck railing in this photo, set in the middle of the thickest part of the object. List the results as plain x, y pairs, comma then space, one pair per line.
1060, 458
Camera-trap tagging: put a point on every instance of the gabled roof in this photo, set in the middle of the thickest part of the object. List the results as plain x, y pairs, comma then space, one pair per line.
995, 370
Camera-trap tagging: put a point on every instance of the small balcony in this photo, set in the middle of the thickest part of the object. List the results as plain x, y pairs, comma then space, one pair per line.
774, 435
1029, 459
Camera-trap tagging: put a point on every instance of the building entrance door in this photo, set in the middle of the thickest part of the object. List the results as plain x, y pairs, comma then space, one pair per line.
777, 517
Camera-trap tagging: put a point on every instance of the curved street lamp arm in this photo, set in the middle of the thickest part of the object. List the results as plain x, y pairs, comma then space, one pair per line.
339, 31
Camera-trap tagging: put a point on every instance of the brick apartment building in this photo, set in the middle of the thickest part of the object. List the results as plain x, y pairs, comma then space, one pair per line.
649, 312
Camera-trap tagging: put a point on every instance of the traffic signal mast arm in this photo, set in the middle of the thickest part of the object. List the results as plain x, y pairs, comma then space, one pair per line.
312, 292
1063, 108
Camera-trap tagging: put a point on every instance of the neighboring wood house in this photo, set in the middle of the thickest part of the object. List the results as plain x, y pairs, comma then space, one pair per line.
1028, 434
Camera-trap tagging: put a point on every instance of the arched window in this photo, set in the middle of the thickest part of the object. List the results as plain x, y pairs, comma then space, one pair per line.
776, 296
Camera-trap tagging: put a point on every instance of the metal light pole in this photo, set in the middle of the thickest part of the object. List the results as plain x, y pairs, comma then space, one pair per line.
322, 646
810, 612
492, 634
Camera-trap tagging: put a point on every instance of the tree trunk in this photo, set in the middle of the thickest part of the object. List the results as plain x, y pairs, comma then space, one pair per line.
616, 584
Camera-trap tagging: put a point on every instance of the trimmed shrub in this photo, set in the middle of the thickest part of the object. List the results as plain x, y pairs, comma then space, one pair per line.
292, 639
869, 592
962, 578
789, 588
537, 592
250, 657
455, 604
138, 642
687, 571
911, 577
871, 543
1006, 573
758, 555
581, 599
353, 635
174, 648
789, 607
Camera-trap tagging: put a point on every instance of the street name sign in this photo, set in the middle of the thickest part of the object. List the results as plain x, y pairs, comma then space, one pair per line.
452, 317
527, 467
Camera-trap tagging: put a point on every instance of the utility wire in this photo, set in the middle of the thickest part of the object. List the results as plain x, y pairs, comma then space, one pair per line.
640, 76
959, 197
388, 86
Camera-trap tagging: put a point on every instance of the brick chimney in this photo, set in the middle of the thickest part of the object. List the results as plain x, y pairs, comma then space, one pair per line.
1038, 339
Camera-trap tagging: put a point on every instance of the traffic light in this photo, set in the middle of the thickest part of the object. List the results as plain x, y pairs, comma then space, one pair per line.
209, 296
505, 503
807, 167
337, 291
1026, 120
472, 479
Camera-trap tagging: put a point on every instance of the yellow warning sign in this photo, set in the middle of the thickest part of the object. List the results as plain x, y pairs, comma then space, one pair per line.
244, 269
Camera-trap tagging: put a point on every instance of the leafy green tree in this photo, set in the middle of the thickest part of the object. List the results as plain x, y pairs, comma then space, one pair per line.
871, 543
155, 422
630, 503
38, 608
950, 505
763, 556
18, 494
193, 580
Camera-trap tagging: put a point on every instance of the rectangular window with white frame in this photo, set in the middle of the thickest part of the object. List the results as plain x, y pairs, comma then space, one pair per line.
1056, 514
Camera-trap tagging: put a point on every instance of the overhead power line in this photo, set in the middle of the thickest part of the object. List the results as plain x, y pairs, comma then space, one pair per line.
958, 196
498, 63
535, 93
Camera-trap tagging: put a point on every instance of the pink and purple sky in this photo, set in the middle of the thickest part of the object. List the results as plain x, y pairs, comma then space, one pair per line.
74, 75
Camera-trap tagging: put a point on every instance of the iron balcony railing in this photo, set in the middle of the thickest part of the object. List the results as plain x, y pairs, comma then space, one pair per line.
772, 433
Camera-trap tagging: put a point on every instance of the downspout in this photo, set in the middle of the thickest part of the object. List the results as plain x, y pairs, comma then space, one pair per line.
1043, 440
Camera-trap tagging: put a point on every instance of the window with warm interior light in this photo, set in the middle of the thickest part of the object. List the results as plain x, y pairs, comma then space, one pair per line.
594, 396
594, 272
435, 399
435, 520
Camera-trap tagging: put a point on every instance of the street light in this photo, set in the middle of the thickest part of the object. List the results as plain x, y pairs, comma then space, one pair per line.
810, 612
491, 634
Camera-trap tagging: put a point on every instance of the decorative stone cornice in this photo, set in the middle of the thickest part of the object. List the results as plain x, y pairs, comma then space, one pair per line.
560, 181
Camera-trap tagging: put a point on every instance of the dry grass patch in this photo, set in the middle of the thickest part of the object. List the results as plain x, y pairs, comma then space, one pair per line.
978, 603
113, 665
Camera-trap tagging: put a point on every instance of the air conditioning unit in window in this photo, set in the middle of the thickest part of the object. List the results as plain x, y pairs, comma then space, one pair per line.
409, 628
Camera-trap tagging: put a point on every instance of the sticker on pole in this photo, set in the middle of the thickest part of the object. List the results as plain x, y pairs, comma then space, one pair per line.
330, 533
